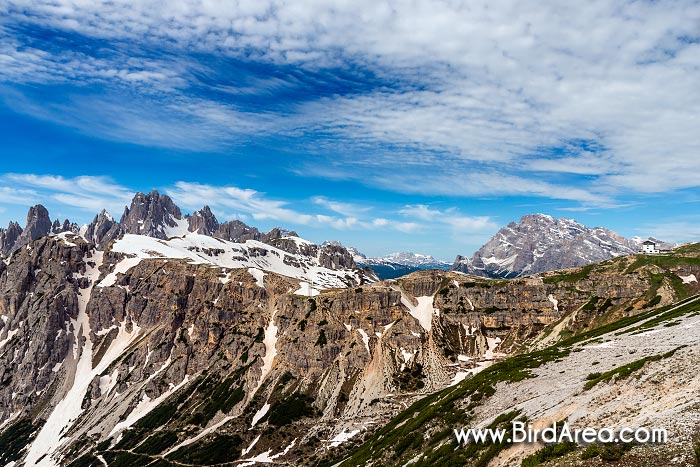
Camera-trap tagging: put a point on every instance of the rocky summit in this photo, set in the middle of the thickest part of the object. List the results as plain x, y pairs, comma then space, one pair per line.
539, 243
166, 339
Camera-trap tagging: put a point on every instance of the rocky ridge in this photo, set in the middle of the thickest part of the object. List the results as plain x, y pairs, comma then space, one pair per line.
162, 350
539, 243
396, 265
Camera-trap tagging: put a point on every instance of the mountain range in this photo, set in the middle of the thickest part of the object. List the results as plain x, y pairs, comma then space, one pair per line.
539, 243
396, 265
166, 340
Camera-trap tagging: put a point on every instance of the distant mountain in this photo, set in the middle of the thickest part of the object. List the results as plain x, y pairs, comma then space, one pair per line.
539, 243
397, 264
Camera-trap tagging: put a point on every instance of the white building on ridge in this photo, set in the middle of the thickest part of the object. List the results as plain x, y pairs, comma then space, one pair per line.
649, 247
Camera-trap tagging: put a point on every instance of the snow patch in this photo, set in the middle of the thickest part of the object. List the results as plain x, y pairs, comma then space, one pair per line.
180, 229
121, 268
492, 344
342, 437
365, 338
146, 404
554, 301
688, 279
306, 289
258, 416
247, 450
202, 249
407, 355
270, 341
258, 275
423, 311
69, 408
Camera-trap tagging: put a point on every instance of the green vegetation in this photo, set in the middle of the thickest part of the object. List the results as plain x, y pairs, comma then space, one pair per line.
625, 371
88, 460
126, 459
592, 304
221, 449
290, 409
607, 452
157, 442
653, 302
312, 304
664, 261
411, 379
321, 339
453, 406
581, 274
663, 314
14, 438
549, 452
440, 448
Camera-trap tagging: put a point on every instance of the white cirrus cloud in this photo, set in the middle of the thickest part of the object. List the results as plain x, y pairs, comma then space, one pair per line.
508, 90
451, 217
87, 193
259, 206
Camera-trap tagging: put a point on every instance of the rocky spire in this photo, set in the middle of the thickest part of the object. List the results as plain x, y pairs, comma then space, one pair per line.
203, 222
102, 230
153, 215
9, 236
38, 225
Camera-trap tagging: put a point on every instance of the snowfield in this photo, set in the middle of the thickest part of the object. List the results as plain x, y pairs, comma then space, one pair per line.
255, 256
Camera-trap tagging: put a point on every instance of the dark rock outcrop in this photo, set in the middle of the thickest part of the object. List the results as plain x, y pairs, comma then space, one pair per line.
102, 230
151, 214
8, 237
203, 222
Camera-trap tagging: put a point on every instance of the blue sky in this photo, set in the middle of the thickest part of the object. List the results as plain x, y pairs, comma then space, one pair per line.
388, 126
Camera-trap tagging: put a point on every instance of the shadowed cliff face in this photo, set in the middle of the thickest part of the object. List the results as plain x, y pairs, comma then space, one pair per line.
167, 360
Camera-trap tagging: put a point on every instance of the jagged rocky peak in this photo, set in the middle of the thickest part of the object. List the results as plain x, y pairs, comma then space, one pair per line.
237, 231
276, 233
539, 242
153, 215
67, 226
9, 236
38, 223
203, 222
103, 229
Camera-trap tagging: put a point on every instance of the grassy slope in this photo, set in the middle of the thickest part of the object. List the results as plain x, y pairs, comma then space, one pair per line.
423, 432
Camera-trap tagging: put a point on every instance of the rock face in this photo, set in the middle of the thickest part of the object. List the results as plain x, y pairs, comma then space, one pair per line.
165, 357
8, 237
102, 230
153, 215
204, 222
539, 243
38, 225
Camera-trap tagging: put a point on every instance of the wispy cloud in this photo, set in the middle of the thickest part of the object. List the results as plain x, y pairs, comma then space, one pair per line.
674, 230
451, 217
259, 206
494, 95
346, 209
88, 193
